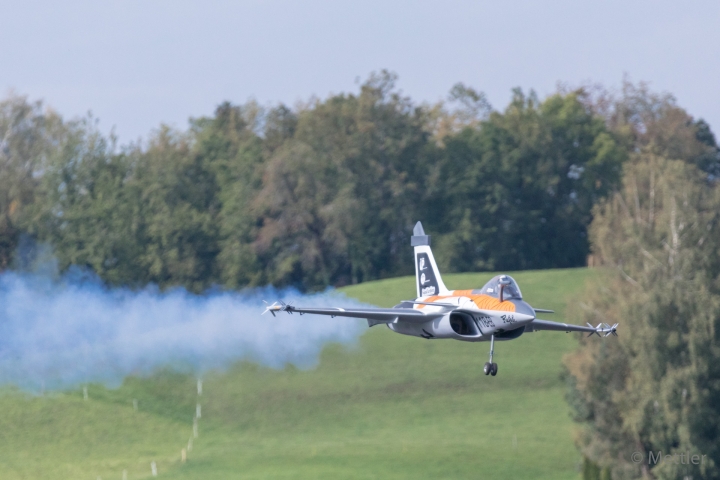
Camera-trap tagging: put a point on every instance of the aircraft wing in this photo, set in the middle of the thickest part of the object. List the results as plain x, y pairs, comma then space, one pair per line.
538, 324
375, 315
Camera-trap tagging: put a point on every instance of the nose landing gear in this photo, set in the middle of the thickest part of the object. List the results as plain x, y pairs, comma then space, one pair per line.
491, 368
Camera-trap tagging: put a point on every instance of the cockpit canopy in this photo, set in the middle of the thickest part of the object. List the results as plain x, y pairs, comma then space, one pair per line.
510, 290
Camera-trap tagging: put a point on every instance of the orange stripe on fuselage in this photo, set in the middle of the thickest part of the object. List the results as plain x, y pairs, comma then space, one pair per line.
483, 302
486, 302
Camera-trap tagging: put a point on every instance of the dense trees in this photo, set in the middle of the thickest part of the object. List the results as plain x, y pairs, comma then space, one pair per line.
516, 192
28, 136
340, 196
327, 193
656, 388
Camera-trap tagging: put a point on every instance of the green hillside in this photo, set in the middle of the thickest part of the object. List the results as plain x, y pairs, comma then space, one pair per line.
389, 407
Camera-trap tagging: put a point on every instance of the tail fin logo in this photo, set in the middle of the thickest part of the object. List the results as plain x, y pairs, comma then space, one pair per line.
428, 284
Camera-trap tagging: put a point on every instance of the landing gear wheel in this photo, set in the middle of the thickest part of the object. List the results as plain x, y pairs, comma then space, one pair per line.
490, 367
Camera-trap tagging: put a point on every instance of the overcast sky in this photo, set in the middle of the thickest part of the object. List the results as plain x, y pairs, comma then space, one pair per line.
136, 64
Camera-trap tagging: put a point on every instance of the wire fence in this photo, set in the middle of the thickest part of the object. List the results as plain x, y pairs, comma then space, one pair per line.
185, 450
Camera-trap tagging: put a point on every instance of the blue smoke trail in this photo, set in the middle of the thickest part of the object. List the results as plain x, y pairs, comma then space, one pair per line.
63, 332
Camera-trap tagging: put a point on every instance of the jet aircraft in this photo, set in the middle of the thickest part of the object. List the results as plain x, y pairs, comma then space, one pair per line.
496, 311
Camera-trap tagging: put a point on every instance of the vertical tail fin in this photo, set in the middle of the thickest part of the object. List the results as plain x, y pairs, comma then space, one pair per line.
427, 275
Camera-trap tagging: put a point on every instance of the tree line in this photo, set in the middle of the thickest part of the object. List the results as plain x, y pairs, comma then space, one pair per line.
655, 388
326, 193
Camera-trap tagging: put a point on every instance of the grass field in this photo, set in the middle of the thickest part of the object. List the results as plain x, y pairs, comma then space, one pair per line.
390, 407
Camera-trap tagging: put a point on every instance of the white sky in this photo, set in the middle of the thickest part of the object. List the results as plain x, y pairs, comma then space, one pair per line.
136, 64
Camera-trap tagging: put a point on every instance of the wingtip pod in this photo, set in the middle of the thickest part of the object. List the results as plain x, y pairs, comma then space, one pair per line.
611, 329
603, 328
595, 328
278, 306
269, 308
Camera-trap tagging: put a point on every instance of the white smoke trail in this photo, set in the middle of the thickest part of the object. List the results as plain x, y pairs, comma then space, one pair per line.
75, 330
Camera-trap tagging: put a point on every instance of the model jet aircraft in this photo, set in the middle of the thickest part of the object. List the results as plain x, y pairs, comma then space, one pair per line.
497, 311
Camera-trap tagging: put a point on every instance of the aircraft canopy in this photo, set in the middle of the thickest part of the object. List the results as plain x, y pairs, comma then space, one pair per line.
511, 289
